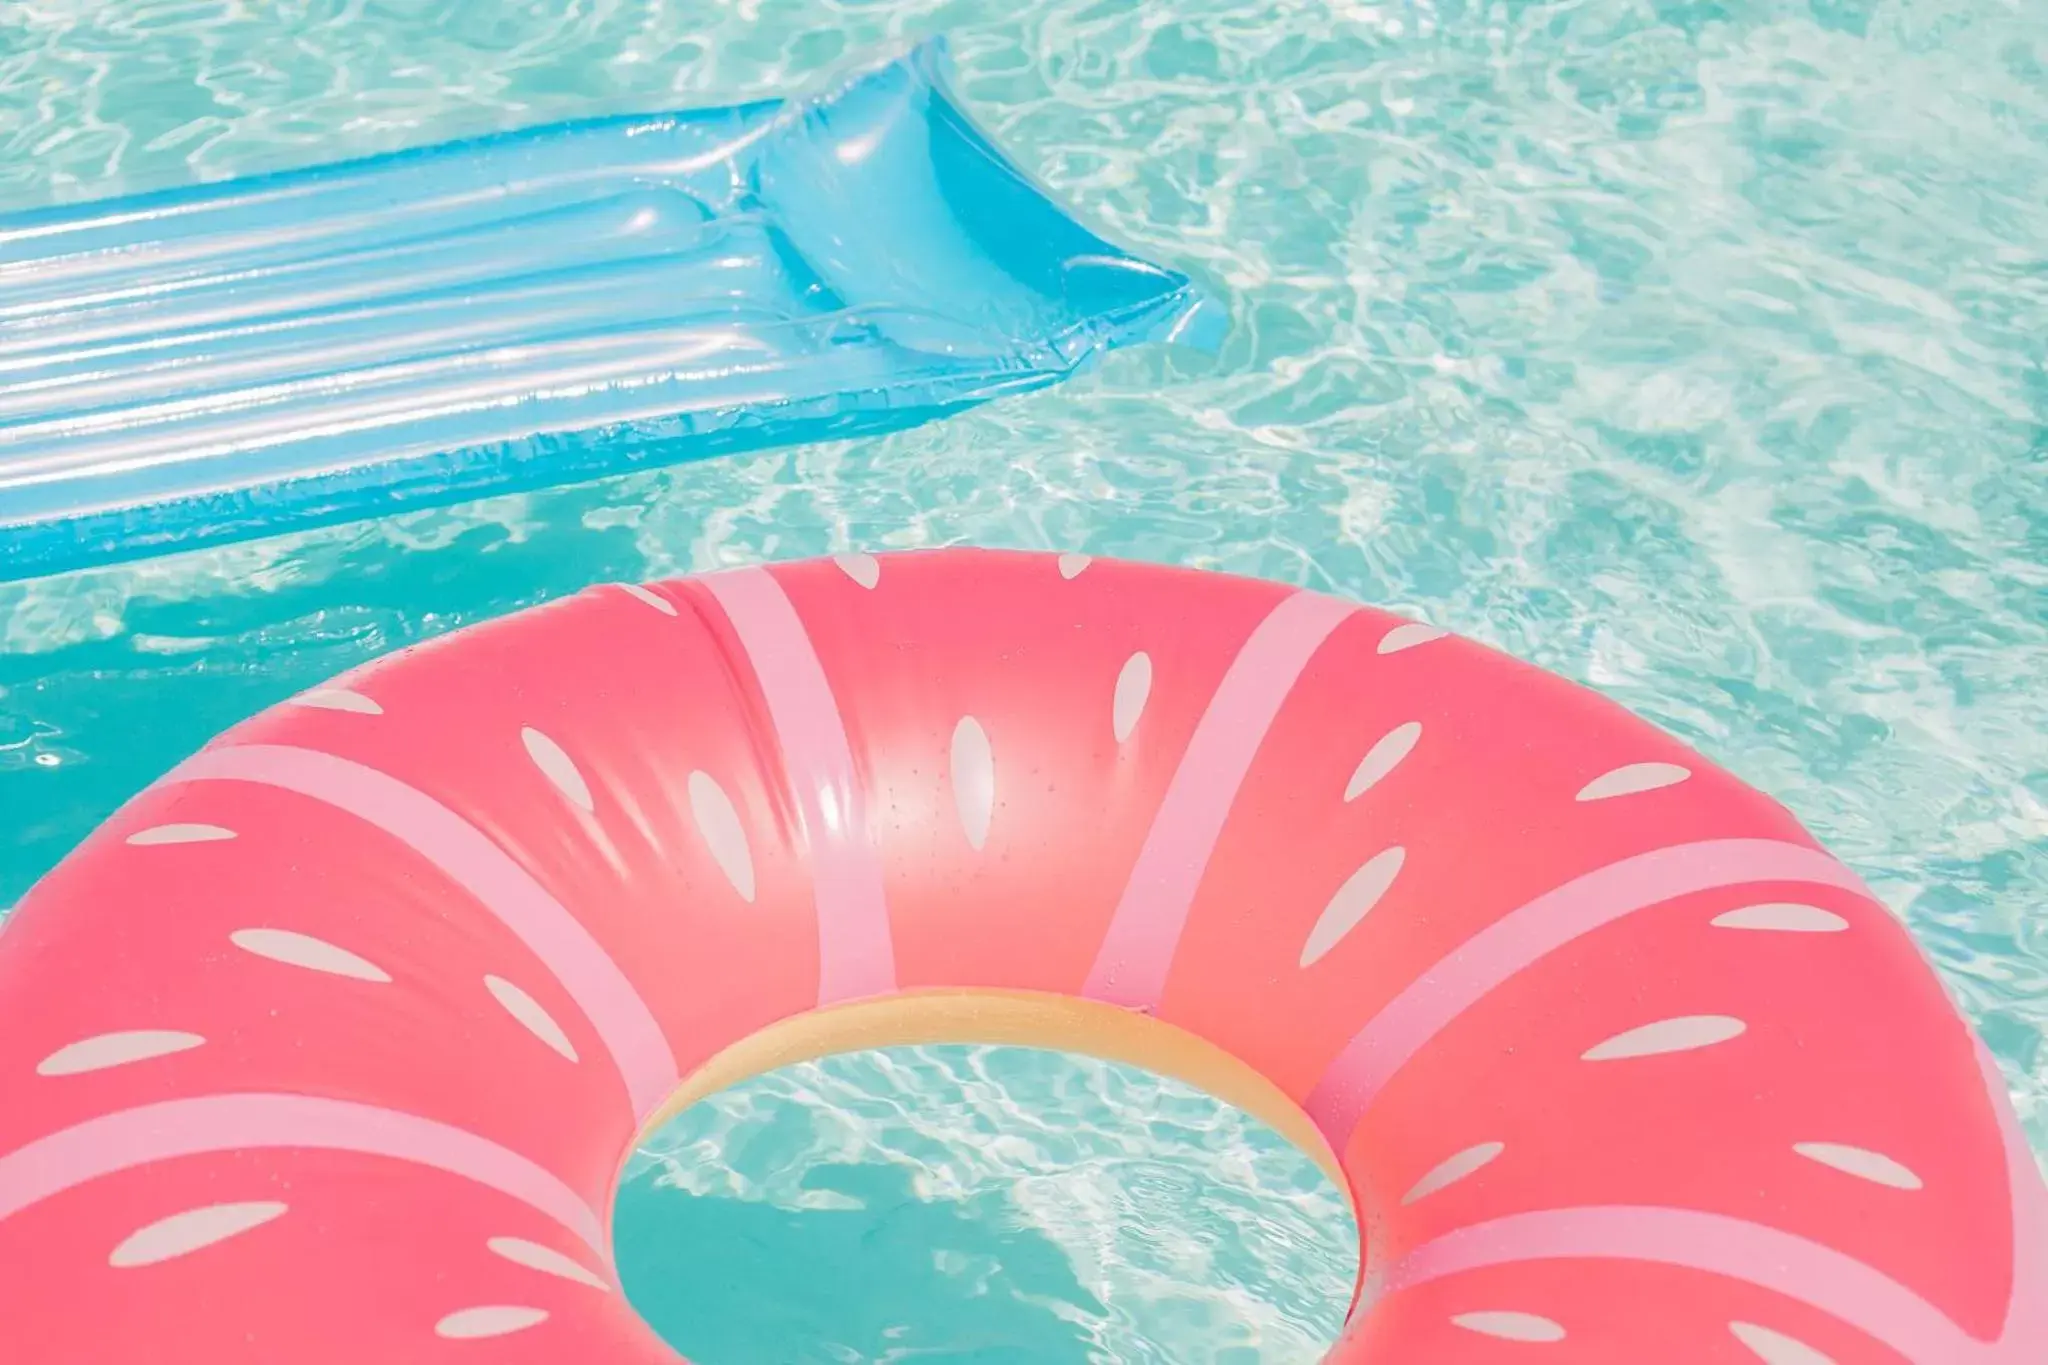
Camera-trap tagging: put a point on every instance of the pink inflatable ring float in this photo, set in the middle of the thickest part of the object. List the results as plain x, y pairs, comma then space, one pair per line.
328, 1047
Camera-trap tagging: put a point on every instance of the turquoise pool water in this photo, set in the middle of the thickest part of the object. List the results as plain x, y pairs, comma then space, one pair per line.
1694, 350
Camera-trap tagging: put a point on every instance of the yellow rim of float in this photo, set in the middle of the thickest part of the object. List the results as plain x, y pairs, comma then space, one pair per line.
1037, 1019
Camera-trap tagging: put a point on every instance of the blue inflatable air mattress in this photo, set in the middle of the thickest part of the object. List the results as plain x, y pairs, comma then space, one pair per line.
325, 345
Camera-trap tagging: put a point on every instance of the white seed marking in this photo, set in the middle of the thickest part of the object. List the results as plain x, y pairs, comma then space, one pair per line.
338, 699
186, 1232
1453, 1169
1510, 1326
1359, 893
557, 767
491, 1321
547, 1260
652, 599
529, 1013
1408, 635
974, 780
179, 834
1775, 1348
863, 569
1133, 689
1682, 1034
1633, 778
1382, 758
1875, 1167
1783, 918
303, 950
1072, 564
115, 1049
719, 826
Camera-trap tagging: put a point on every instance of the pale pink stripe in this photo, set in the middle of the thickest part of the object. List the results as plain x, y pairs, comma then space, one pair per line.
2025, 1337
1439, 994
1131, 967
469, 858
1816, 1275
233, 1123
855, 954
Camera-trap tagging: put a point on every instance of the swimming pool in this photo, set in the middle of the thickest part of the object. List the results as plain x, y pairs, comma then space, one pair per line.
1689, 350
